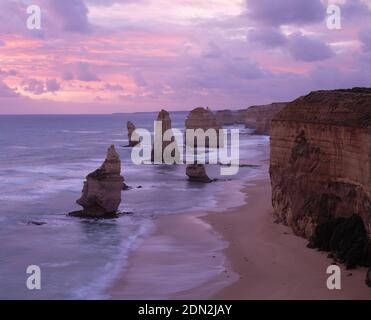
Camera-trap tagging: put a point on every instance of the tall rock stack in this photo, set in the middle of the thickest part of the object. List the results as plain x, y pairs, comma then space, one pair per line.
204, 119
131, 129
260, 117
320, 164
160, 144
101, 195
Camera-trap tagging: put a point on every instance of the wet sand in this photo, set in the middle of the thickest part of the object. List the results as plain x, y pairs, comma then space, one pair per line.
181, 259
272, 263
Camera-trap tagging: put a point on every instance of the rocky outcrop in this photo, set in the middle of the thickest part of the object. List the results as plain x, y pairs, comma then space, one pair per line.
320, 164
225, 117
197, 173
346, 239
204, 119
101, 195
131, 129
160, 145
230, 117
260, 117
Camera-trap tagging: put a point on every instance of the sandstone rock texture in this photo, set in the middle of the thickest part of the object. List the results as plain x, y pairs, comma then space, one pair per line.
201, 118
101, 195
131, 128
160, 144
320, 164
230, 117
197, 173
225, 117
260, 117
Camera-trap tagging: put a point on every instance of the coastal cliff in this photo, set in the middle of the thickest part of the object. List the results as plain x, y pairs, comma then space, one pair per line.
260, 117
229, 117
320, 164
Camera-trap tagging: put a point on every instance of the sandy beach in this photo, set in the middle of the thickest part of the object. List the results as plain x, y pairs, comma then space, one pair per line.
237, 254
271, 261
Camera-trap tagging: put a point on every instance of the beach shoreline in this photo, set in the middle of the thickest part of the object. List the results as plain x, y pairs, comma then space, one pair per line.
271, 261
254, 258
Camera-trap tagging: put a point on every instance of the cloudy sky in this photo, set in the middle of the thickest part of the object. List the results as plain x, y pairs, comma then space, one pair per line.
103, 56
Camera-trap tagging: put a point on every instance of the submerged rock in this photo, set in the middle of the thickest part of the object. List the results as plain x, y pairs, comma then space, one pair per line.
101, 195
36, 223
131, 129
197, 173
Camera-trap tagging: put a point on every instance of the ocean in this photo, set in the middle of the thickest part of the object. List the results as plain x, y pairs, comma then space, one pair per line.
43, 163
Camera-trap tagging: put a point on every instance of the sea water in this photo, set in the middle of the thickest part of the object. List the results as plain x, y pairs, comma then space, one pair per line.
43, 163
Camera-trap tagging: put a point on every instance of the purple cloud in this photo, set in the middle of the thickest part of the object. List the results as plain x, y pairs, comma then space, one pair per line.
6, 91
67, 76
73, 14
308, 49
112, 87
267, 37
286, 12
365, 37
84, 73
34, 86
7, 73
52, 85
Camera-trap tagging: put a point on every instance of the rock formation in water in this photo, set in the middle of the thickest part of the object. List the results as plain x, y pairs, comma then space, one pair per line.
131, 128
204, 119
229, 117
320, 164
101, 195
160, 144
225, 117
260, 117
197, 173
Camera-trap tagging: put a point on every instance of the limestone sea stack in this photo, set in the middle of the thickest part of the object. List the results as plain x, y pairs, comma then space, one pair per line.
160, 145
320, 163
197, 173
260, 117
225, 117
229, 117
101, 195
131, 129
204, 119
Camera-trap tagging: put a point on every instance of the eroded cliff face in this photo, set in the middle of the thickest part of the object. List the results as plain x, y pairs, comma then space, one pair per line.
320, 159
230, 117
260, 117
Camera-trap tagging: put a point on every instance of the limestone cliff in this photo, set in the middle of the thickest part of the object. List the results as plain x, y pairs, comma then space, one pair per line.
320, 164
260, 117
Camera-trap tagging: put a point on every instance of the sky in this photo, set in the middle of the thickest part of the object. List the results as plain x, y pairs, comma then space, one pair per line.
105, 56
